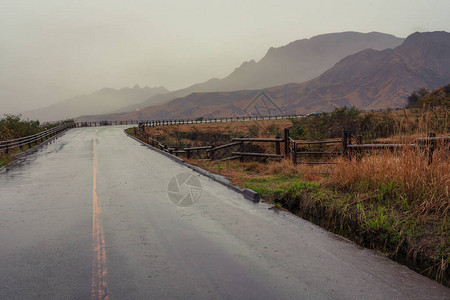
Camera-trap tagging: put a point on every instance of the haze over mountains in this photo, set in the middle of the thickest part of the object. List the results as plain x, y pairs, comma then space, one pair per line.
295, 62
106, 100
369, 79
366, 70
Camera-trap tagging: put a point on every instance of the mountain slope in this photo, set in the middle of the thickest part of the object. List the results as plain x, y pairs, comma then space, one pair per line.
296, 62
369, 79
104, 101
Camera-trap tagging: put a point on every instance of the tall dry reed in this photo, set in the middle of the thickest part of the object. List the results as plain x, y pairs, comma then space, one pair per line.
405, 174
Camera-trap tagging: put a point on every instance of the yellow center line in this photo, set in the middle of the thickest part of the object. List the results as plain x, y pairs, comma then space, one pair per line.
98, 241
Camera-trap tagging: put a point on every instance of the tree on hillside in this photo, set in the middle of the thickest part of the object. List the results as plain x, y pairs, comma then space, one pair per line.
437, 102
414, 98
447, 90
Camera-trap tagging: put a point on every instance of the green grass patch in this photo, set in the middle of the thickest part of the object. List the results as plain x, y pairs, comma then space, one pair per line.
130, 131
4, 159
375, 215
270, 187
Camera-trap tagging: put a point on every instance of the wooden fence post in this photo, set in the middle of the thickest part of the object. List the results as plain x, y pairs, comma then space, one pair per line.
211, 153
344, 143
431, 147
277, 146
286, 142
359, 142
241, 149
294, 153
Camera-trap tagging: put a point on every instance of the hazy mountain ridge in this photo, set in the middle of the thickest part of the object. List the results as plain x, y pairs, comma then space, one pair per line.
369, 79
374, 79
312, 56
104, 101
295, 62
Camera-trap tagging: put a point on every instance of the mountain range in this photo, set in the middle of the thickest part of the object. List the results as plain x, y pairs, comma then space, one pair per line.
297, 62
104, 101
368, 79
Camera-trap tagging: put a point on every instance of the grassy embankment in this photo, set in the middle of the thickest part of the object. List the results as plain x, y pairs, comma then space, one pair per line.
393, 202
13, 127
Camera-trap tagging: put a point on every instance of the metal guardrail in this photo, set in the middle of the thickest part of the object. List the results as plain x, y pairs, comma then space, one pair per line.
153, 123
8, 145
212, 120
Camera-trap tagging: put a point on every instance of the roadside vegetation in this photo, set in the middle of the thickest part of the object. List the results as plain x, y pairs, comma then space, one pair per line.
426, 112
394, 202
391, 202
13, 127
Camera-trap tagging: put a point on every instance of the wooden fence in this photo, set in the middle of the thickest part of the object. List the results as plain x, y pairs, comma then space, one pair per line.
209, 152
349, 149
294, 149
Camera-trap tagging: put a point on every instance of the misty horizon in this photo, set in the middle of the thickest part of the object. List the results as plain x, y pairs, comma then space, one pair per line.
58, 50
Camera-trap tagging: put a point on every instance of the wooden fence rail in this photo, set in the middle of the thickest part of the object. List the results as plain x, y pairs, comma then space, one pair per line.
319, 142
259, 140
379, 146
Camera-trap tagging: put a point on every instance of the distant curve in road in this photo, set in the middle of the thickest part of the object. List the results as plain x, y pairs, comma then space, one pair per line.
89, 216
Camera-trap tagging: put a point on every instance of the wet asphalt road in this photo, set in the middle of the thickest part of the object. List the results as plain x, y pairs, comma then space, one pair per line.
61, 238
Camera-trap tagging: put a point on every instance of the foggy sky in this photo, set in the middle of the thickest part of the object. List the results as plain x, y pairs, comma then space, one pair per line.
51, 50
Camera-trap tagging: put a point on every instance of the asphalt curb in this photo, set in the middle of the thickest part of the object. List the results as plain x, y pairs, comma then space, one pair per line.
32, 150
247, 193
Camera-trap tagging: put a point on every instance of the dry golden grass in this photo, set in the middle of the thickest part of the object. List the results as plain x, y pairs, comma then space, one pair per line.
222, 127
410, 198
405, 173
417, 122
